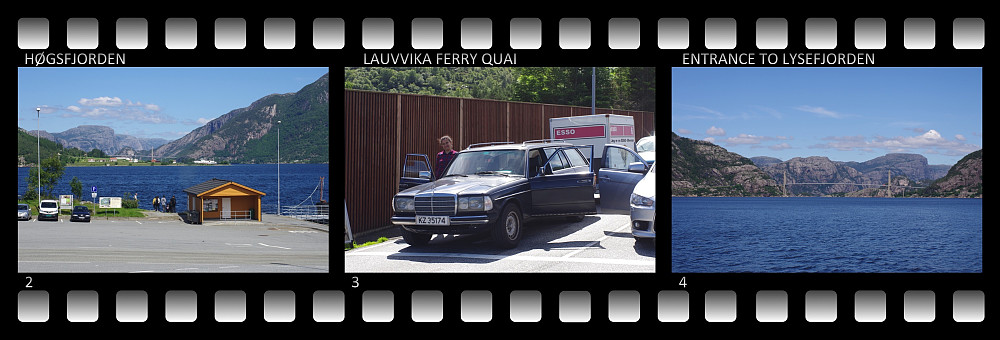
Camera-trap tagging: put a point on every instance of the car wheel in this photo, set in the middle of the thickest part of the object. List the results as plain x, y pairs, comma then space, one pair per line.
507, 230
415, 239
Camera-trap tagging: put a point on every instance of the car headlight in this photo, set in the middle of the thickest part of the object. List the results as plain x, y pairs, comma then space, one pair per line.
402, 204
475, 203
641, 201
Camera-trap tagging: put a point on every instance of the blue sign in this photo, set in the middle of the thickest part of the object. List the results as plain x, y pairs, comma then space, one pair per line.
93, 189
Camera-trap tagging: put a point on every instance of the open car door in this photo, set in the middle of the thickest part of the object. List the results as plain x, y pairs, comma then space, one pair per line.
564, 183
620, 170
416, 171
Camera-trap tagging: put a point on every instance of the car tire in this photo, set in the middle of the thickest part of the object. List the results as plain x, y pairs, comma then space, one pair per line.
507, 231
415, 239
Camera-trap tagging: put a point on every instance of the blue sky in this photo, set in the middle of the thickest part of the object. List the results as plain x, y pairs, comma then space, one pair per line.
845, 114
146, 102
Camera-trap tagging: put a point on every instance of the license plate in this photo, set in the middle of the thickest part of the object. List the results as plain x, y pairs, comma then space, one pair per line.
433, 220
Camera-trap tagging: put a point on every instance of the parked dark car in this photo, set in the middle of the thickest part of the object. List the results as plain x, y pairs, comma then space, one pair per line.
23, 212
494, 188
80, 213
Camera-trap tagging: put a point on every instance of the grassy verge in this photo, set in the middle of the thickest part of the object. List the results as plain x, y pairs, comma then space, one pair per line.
355, 245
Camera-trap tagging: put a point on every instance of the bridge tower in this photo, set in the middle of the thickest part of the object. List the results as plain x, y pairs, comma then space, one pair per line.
784, 182
889, 185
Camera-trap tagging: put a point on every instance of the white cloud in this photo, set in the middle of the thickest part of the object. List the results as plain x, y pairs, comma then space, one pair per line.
960, 137
929, 142
203, 121
709, 139
745, 139
115, 108
819, 111
683, 131
778, 147
714, 131
101, 101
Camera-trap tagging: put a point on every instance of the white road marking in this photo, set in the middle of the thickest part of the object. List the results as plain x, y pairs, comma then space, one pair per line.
272, 246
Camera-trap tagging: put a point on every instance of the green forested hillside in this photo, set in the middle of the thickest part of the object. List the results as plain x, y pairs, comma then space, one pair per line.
28, 144
624, 88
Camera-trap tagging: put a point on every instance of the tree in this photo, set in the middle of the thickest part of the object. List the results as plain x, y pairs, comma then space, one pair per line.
52, 171
76, 187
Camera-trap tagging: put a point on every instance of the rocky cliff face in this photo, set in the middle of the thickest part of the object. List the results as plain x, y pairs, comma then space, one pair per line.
850, 178
965, 179
912, 166
700, 168
836, 177
89, 137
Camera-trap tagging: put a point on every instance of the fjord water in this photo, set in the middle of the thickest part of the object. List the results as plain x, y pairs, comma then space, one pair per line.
298, 182
826, 235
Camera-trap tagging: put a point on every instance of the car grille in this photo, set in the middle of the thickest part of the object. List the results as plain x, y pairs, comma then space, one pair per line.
435, 204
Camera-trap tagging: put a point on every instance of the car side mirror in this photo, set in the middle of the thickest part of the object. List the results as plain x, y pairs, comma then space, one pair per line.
424, 174
638, 167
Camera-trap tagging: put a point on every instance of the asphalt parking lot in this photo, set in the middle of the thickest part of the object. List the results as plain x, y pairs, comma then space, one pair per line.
601, 243
163, 243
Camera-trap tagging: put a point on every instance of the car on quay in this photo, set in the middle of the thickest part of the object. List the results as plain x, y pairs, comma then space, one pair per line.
23, 212
48, 210
643, 207
80, 213
495, 188
646, 147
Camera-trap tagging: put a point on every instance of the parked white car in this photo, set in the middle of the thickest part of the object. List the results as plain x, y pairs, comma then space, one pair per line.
646, 147
48, 210
642, 205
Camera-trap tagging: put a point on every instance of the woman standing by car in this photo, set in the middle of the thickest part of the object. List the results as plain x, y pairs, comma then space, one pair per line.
445, 156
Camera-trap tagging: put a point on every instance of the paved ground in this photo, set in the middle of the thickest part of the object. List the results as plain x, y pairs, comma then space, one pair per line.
163, 242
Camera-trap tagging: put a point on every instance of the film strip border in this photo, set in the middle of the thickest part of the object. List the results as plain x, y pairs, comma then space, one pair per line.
480, 306
477, 33
477, 306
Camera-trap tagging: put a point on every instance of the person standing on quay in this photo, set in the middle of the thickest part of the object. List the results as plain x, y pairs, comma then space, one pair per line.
445, 156
156, 203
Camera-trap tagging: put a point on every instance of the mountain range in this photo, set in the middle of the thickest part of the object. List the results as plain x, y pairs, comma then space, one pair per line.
89, 137
700, 168
243, 135
847, 177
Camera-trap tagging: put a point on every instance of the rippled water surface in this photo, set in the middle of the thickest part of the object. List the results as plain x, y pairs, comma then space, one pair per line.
824, 235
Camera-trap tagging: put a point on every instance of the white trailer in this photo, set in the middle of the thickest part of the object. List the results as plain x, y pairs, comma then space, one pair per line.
596, 130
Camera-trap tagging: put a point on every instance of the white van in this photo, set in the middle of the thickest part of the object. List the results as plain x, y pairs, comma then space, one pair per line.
48, 210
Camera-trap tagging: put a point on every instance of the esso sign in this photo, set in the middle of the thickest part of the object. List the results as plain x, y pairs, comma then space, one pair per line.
579, 132
565, 132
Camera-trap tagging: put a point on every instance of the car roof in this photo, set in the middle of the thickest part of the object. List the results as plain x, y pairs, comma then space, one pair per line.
511, 146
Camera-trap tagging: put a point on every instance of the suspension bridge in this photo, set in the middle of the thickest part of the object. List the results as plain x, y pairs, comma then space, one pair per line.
888, 185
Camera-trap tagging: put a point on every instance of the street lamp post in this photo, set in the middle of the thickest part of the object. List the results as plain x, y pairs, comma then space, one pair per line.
279, 168
38, 146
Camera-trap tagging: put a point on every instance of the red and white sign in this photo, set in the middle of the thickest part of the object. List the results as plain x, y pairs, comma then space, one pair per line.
622, 130
578, 132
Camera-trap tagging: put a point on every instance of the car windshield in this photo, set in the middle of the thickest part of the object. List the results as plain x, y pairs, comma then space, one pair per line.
80, 209
645, 144
48, 204
22, 207
493, 162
